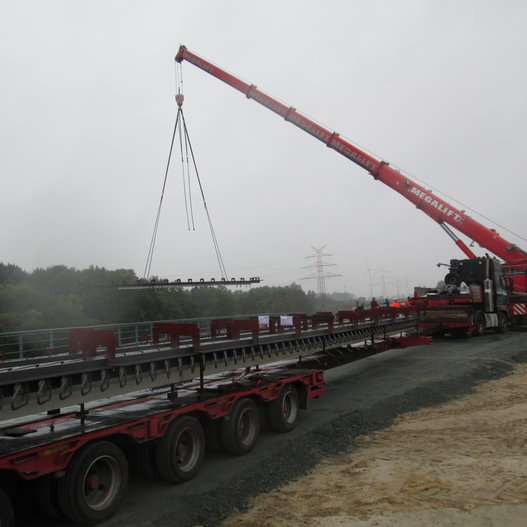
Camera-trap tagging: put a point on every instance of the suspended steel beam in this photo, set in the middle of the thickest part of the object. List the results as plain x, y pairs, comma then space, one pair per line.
160, 284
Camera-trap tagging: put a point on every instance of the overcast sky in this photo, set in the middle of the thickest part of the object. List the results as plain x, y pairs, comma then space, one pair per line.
437, 88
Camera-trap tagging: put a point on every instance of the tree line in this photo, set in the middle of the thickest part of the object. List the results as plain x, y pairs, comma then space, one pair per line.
61, 296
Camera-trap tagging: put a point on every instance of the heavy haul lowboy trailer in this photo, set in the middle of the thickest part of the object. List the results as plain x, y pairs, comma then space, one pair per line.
77, 457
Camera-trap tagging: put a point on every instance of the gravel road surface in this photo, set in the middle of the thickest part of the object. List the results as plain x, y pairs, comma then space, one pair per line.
361, 398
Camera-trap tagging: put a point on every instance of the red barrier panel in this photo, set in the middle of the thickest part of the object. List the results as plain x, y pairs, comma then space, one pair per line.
322, 317
174, 330
218, 324
301, 319
249, 325
233, 326
86, 340
351, 316
274, 324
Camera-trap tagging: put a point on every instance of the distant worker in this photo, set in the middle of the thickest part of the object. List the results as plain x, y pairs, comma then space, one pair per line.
374, 303
395, 303
386, 302
408, 302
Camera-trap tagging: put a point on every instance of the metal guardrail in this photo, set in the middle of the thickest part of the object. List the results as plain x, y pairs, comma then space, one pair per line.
41, 342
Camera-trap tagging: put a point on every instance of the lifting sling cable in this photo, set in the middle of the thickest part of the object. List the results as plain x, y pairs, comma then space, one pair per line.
188, 145
184, 138
156, 224
223, 271
185, 173
188, 181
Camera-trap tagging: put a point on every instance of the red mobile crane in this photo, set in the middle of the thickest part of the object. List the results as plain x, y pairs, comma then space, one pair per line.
77, 460
495, 292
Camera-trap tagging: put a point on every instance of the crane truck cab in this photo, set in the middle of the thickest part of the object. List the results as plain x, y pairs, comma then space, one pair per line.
473, 298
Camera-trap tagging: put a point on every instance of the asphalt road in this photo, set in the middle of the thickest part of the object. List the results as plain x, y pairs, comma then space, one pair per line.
361, 397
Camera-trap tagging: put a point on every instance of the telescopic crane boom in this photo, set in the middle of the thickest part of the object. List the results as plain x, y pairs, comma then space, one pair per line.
439, 210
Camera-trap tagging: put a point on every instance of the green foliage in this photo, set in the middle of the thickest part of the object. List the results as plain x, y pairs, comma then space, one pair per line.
61, 296
11, 274
290, 299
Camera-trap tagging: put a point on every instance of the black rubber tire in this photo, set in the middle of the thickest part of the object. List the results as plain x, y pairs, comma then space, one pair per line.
7, 515
241, 428
94, 484
46, 497
282, 413
452, 279
479, 325
179, 453
503, 323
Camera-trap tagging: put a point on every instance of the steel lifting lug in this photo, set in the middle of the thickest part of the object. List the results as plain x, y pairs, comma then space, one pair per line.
44, 392
122, 377
65, 389
138, 374
86, 384
180, 367
20, 396
105, 380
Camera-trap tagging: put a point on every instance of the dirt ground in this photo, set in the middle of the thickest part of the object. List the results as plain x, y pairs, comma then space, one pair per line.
460, 464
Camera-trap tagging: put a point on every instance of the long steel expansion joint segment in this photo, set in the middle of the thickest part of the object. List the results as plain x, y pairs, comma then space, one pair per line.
32, 386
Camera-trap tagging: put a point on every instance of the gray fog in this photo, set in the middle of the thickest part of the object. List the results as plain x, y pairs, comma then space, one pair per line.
437, 88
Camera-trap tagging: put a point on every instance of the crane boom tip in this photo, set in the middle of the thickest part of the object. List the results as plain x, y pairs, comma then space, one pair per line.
179, 56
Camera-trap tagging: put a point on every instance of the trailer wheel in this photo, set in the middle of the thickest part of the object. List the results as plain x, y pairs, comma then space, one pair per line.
282, 413
94, 483
7, 516
479, 324
180, 451
240, 429
503, 323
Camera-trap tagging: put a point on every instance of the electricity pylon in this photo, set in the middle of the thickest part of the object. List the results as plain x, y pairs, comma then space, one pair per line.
320, 275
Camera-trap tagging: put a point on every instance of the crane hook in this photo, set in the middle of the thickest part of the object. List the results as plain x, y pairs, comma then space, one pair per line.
179, 99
